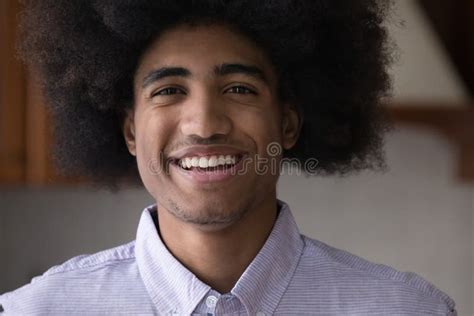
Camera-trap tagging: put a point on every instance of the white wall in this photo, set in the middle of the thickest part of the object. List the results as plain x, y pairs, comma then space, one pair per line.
2, 241
47, 226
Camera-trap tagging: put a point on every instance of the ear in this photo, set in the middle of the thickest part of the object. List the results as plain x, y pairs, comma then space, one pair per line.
128, 129
291, 126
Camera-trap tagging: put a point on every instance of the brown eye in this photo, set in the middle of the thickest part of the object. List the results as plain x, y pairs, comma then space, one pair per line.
241, 90
168, 91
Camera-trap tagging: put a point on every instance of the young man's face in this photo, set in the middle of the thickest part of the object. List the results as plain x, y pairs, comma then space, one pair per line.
202, 94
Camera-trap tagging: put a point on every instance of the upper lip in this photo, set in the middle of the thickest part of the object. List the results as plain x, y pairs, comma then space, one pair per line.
206, 150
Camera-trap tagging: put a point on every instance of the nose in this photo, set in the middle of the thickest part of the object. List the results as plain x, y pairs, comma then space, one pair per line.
205, 116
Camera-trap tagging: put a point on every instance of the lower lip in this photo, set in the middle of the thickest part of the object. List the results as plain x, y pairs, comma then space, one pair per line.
200, 176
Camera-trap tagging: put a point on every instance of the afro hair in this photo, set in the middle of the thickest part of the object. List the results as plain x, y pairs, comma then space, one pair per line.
331, 58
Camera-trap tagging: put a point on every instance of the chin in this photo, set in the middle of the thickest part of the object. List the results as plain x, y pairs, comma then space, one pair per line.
212, 212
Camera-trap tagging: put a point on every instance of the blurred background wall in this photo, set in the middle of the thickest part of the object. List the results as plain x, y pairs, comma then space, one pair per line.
416, 217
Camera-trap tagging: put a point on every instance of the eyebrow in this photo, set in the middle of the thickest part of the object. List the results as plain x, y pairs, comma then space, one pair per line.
236, 68
164, 72
220, 70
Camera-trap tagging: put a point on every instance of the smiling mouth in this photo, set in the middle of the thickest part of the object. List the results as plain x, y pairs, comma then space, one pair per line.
207, 163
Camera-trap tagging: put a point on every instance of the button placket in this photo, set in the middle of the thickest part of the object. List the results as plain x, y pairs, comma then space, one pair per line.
211, 301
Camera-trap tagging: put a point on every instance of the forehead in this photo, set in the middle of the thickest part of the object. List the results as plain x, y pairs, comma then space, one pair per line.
200, 48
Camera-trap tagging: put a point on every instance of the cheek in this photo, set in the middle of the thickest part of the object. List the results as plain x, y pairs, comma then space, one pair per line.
260, 125
153, 133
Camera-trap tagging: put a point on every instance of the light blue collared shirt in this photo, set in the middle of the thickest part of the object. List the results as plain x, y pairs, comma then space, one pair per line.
291, 275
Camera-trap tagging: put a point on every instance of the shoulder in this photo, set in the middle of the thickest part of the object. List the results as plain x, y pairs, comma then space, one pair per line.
91, 262
349, 274
78, 279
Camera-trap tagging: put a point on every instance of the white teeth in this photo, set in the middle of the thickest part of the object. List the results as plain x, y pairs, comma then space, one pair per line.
230, 159
221, 160
209, 161
195, 162
203, 162
212, 161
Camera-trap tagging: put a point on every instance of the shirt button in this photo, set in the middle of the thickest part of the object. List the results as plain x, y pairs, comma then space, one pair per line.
211, 301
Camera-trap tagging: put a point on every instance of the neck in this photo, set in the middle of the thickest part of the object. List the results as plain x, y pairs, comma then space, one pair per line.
219, 258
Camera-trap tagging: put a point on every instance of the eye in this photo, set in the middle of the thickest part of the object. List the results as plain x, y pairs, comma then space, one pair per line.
241, 90
168, 91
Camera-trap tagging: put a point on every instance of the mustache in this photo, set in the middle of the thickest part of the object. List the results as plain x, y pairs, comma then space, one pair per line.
216, 139
192, 140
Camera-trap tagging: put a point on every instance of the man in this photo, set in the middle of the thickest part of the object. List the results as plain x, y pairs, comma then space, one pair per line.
196, 97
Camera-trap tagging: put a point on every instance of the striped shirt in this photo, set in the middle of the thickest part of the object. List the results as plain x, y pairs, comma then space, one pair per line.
291, 275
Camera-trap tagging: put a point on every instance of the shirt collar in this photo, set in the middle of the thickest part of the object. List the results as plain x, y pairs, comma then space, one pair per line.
173, 288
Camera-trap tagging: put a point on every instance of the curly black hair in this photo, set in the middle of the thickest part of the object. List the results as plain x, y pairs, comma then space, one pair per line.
331, 58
